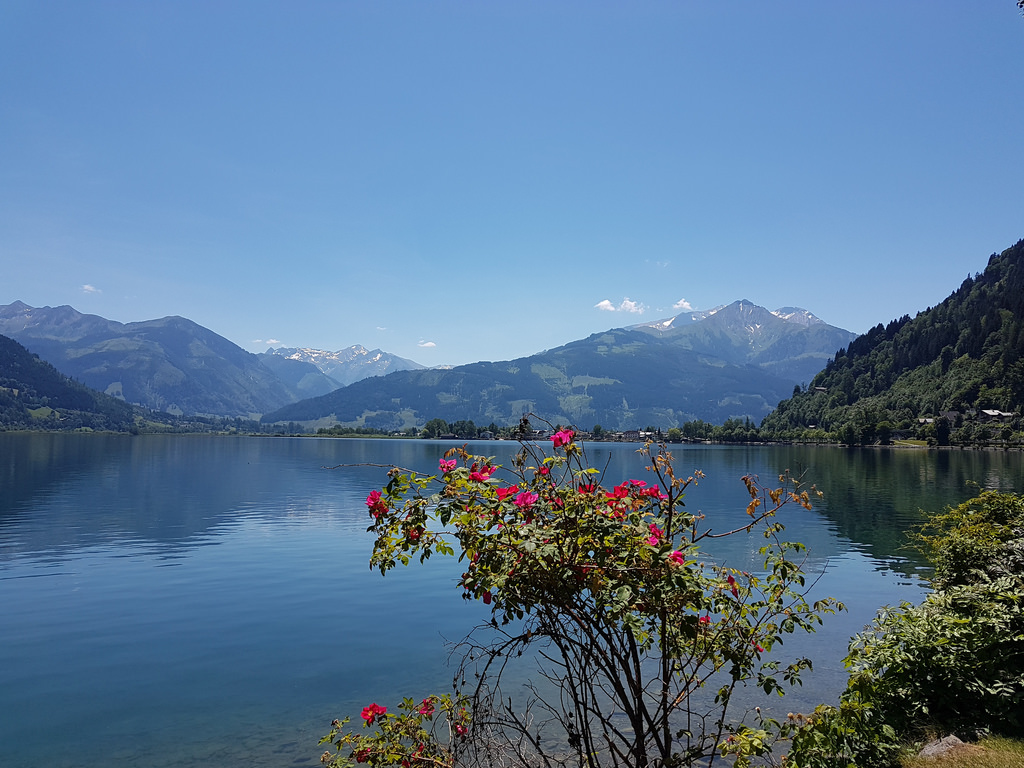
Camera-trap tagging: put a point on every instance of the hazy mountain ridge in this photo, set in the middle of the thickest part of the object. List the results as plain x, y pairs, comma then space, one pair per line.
735, 361
171, 364
175, 365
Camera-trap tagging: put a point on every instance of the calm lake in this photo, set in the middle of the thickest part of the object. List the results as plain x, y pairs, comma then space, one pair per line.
196, 600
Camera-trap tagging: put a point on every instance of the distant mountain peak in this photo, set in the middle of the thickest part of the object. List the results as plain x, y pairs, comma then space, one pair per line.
743, 308
349, 365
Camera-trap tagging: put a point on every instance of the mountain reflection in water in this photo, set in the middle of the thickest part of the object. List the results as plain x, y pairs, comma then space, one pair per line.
197, 600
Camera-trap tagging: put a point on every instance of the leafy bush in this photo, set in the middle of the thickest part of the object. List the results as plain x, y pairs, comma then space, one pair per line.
953, 664
979, 540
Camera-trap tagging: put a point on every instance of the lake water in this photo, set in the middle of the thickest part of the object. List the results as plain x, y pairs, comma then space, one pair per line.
197, 600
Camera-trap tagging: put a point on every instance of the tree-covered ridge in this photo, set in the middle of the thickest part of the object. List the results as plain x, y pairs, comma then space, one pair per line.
949, 364
34, 395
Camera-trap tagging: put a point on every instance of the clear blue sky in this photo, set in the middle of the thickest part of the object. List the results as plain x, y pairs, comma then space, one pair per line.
460, 181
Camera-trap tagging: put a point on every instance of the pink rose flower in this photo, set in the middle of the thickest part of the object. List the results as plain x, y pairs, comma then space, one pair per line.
676, 558
620, 491
504, 493
562, 438
370, 713
446, 466
376, 504
481, 475
525, 499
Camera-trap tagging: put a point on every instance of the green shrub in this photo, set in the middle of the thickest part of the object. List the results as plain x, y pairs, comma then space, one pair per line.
953, 664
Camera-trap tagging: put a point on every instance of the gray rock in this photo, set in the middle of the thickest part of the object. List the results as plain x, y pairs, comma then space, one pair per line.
940, 747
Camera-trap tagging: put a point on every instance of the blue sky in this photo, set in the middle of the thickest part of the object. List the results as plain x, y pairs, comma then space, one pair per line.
460, 181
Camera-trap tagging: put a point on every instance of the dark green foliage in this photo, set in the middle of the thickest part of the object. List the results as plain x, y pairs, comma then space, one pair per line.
966, 353
436, 428
953, 664
977, 541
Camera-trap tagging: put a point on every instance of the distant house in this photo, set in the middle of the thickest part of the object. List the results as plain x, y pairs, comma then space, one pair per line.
950, 416
632, 435
821, 389
993, 415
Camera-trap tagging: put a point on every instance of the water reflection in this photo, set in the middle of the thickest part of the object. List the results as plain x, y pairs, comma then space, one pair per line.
62, 492
165, 596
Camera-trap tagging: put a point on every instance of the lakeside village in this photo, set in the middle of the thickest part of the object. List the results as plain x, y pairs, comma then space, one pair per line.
972, 428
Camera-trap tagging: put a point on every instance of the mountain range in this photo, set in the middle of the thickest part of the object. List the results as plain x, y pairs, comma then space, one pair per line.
956, 366
737, 360
177, 366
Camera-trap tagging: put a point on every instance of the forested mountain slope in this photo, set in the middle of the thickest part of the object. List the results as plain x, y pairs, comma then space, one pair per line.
950, 363
34, 395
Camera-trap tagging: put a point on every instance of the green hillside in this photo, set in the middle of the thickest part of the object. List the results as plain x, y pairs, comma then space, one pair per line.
954, 373
34, 395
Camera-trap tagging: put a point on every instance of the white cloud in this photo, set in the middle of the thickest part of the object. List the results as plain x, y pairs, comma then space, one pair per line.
627, 305
90, 289
683, 305
426, 344
381, 328
273, 341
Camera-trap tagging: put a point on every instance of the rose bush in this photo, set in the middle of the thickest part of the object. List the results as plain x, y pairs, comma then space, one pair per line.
639, 641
